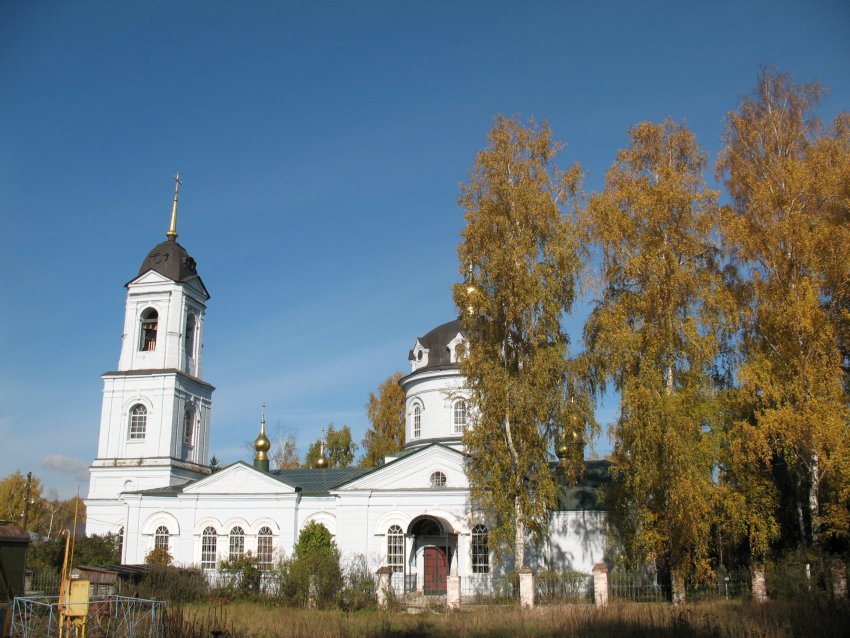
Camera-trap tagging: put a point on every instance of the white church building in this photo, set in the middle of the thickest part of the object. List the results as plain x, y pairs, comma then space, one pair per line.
151, 483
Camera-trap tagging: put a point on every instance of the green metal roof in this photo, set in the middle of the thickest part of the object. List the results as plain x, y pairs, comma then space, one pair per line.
318, 482
168, 490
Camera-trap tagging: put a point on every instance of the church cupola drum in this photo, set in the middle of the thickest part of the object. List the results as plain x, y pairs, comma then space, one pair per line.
154, 428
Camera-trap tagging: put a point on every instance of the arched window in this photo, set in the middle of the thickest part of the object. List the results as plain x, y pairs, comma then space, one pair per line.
438, 479
138, 421
209, 547
459, 416
237, 542
264, 548
160, 538
395, 549
189, 338
189, 425
480, 550
460, 351
417, 421
147, 340
121, 544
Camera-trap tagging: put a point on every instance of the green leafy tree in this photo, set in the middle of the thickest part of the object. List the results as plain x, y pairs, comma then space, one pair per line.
789, 228
315, 537
313, 575
244, 575
386, 414
521, 245
656, 332
339, 448
100, 551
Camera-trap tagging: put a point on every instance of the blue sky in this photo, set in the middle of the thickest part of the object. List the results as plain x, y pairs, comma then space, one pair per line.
321, 146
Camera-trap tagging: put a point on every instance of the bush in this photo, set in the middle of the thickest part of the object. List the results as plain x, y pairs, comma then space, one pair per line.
241, 577
360, 589
787, 579
158, 556
312, 576
314, 537
313, 579
174, 585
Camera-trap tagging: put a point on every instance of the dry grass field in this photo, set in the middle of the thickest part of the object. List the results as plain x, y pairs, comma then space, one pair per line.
701, 620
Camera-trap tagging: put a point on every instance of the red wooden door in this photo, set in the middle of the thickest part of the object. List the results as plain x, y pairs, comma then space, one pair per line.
436, 570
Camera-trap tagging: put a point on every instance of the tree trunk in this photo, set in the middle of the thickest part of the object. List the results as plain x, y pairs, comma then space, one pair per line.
519, 535
814, 504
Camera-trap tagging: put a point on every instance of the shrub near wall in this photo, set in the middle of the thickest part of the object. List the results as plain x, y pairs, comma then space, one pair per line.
173, 584
240, 577
312, 577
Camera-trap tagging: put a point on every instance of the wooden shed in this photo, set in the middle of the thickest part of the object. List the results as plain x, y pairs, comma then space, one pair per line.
13, 554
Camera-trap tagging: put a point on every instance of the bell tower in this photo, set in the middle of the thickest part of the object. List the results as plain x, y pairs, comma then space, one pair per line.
154, 426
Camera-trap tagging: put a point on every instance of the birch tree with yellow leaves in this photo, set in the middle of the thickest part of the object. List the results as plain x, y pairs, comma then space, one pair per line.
789, 229
521, 245
656, 333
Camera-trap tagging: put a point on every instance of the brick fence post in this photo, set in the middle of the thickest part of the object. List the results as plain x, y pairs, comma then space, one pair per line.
600, 585
526, 587
839, 579
453, 592
383, 584
759, 586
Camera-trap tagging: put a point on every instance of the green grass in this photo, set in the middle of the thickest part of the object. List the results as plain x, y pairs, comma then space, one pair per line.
701, 620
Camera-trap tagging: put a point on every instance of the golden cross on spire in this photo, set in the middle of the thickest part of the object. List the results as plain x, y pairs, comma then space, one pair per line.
263, 419
172, 230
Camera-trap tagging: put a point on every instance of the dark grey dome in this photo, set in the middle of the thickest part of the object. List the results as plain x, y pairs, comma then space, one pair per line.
437, 343
171, 260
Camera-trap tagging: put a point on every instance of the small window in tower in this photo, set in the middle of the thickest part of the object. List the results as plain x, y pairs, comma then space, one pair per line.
150, 318
459, 417
419, 356
189, 425
460, 351
138, 421
417, 421
190, 335
438, 479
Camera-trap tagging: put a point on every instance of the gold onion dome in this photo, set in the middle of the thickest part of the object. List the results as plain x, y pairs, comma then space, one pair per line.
322, 462
563, 450
262, 444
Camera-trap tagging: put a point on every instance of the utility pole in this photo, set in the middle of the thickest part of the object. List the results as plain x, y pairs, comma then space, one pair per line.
27, 491
27, 498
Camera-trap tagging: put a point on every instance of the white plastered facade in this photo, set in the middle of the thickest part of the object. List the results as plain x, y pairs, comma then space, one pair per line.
421, 496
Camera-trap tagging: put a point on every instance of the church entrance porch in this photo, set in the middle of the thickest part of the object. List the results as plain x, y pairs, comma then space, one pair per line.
433, 553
